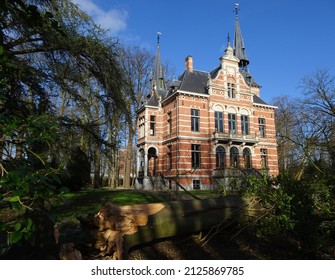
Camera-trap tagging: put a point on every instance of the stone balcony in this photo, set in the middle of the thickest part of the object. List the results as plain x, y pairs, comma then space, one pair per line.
239, 172
235, 138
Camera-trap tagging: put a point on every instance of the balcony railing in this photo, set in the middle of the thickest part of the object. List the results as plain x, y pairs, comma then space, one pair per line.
235, 137
239, 172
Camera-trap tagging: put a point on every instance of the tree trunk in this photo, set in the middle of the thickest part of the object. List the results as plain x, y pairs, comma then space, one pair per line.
128, 159
96, 173
19, 146
2, 145
116, 229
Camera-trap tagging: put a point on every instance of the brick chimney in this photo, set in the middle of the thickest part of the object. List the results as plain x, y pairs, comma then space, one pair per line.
189, 63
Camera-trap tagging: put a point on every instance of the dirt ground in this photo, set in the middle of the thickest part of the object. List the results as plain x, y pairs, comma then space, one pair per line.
221, 247
245, 246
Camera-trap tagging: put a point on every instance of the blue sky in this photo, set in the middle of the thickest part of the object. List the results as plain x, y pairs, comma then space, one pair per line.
284, 39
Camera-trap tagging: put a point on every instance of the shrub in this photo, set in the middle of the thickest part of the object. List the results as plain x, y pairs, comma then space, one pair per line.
276, 200
78, 170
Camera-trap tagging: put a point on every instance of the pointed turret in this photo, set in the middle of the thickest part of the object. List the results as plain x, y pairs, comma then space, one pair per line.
239, 48
157, 78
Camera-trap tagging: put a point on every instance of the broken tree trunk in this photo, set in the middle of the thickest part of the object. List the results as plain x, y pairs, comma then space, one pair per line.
115, 229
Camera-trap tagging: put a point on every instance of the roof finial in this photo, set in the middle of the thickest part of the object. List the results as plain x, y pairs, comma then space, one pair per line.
228, 38
158, 37
237, 8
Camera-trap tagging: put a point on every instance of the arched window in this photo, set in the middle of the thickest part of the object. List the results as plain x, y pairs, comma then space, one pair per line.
220, 157
152, 156
247, 158
234, 157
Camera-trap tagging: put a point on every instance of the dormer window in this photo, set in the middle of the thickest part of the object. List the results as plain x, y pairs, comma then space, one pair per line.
231, 90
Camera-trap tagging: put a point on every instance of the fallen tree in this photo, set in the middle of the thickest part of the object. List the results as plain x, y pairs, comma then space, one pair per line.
116, 229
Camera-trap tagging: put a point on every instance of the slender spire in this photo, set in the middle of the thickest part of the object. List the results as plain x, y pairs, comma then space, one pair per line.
237, 8
239, 48
157, 78
158, 37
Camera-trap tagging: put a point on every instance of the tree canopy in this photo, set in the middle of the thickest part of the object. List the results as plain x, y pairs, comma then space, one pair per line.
61, 89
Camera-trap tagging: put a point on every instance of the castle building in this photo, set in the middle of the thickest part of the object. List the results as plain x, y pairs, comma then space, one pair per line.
205, 127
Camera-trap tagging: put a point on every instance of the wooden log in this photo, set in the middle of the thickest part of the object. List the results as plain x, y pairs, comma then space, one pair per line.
116, 229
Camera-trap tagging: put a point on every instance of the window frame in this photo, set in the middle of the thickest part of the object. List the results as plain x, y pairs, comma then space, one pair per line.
234, 157
232, 123
142, 126
169, 120
264, 158
195, 120
262, 127
169, 157
220, 157
152, 125
245, 124
196, 156
247, 158
231, 90
219, 121
196, 184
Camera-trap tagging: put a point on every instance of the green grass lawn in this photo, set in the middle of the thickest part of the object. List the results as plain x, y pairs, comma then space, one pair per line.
90, 201
81, 203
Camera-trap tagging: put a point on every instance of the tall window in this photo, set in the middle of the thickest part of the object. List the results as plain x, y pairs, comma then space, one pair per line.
152, 125
231, 90
220, 157
141, 126
195, 119
247, 158
232, 123
264, 158
234, 157
195, 156
245, 124
169, 122
261, 124
219, 121
169, 155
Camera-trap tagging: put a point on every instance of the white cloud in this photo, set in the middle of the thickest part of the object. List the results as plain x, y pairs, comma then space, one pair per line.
114, 20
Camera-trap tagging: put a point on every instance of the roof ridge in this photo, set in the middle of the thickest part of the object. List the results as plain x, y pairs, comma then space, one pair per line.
201, 71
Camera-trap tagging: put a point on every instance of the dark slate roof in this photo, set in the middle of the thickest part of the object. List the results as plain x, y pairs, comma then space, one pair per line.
248, 78
152, 101
195, 81
215, 72
258, 100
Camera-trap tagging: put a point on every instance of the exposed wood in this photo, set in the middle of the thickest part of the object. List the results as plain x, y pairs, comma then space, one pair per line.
69, 252
116, 229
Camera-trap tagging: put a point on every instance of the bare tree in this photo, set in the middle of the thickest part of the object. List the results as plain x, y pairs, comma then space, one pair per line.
305, 127
319, 101
137, 64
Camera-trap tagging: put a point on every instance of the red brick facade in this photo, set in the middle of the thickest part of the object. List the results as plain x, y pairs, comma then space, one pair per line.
205, 128
170, 145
